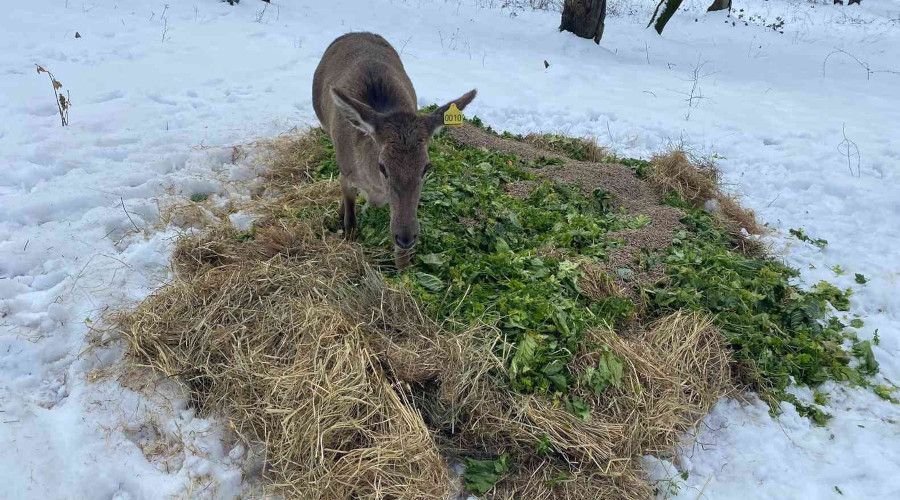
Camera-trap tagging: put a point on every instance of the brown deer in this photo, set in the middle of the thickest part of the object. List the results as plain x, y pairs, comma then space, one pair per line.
367, 104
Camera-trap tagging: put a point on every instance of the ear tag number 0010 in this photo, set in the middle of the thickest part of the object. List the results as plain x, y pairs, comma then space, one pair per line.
453, 117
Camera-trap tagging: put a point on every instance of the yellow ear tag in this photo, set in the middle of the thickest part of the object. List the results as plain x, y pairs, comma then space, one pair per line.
453, 117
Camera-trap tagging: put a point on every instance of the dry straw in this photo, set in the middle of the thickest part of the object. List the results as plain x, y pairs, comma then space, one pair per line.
697, 182
354, 392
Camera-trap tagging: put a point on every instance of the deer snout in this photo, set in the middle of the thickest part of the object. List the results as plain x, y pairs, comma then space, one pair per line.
404, 222
405, 240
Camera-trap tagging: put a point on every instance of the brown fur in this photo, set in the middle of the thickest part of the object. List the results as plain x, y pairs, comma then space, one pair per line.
367, 105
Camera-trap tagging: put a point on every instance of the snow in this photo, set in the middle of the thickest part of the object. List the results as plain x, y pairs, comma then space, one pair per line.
161, 93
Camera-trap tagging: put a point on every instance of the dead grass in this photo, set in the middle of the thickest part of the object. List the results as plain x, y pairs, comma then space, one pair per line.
676, 369
299, 344
549, 479
266, 342
576, 148
596, 283
698, 182
292, 158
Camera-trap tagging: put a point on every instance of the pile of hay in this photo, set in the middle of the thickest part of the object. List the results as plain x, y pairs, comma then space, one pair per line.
697, 183
301, 345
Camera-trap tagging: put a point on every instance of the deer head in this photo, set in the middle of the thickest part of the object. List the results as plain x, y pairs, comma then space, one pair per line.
401, 141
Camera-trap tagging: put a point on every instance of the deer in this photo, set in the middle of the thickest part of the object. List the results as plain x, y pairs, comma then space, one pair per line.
366, 103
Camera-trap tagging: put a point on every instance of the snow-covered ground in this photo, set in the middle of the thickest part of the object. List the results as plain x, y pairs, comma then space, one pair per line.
161, 93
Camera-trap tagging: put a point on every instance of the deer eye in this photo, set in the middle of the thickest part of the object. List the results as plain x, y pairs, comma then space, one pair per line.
381, 167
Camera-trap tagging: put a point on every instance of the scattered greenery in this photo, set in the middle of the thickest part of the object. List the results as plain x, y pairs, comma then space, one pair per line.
861, 279
246, 235
776, 25
482, 257
488, 256
641, 168
863, 351
481, 475
607, 373
780, 334
840, 300
544, 445
812, 412
199, 197
802, 236
885, 392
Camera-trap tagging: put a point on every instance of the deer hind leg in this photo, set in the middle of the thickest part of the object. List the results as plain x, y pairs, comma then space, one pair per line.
348, 210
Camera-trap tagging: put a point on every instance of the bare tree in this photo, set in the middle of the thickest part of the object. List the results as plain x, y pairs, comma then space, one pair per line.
584, 18
719, 5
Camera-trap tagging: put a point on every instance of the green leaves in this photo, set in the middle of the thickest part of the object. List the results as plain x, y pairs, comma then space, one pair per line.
578, 407
608, 372
429, 282
433, 259
525, 355
802, 236
480, 258
554, 372
536, 367
481, 475
604, 199
483, 257
863, 351
779, 331
886, 392
838, 299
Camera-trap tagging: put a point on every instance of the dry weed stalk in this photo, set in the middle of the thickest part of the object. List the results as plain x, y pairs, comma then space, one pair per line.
63, 102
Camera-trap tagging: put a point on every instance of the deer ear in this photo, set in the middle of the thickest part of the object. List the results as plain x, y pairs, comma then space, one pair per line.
359, 114
436, 118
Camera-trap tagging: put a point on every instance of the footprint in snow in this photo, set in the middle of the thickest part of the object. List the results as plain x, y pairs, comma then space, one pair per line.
109, 96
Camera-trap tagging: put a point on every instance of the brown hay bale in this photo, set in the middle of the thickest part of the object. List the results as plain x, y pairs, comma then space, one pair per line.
674, 171
262, 343
552, 479
520, 422
698, 184
310, 198
674, 373
187, 214
743, 217
194, 253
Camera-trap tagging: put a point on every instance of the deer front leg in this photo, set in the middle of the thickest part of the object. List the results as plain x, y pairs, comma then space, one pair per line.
348, 210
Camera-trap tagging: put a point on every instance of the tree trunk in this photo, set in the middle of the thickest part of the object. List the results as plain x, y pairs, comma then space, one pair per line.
719, 5
584, 18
